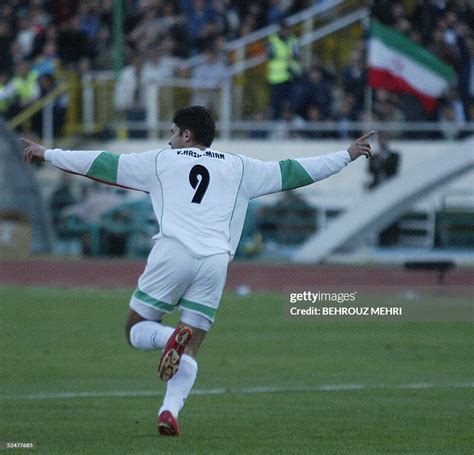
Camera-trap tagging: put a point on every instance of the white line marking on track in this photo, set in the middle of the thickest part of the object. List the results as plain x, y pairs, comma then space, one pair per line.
249, 391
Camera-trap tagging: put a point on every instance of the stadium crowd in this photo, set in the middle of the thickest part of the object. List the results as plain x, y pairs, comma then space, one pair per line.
39, 38
321, 92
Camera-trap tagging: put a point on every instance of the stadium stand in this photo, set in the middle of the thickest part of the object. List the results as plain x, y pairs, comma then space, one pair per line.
65, 53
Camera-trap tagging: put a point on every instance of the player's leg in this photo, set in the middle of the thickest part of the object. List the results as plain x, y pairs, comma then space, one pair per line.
198, 305
166, 276
180, 385
145, 334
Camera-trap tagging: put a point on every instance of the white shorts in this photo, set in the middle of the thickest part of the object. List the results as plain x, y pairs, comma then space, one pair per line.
175, 278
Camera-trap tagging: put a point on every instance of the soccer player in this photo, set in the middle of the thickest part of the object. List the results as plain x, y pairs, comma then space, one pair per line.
200, 198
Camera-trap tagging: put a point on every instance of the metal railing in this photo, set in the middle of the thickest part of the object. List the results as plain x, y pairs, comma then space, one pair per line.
97, 113
46, 105
238, 45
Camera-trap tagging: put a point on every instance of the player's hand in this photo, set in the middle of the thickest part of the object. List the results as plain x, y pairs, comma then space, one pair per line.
33, 151
361, 147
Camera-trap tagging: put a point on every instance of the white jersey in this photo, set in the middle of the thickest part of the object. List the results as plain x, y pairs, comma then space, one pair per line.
200, 197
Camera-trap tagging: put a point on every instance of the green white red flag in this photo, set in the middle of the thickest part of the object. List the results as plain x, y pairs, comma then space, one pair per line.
398, 64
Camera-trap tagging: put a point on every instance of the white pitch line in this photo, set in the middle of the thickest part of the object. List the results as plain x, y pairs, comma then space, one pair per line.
247, 391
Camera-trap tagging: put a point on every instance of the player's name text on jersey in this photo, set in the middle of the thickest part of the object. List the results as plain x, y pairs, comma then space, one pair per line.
195, 154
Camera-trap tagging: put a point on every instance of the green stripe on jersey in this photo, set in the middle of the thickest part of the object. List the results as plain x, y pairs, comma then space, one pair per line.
204, 310
105, 167
293, 175
146, 298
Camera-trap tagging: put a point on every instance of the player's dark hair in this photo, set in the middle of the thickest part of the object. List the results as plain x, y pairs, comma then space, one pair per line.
199, 121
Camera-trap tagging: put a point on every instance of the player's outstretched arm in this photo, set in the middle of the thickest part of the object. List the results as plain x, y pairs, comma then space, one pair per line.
133, 170
265, 177
33, 151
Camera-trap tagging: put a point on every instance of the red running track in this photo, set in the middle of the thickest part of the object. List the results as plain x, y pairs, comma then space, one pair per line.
124, 273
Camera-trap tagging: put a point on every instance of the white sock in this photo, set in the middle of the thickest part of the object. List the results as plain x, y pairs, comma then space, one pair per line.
179, 386
148, 335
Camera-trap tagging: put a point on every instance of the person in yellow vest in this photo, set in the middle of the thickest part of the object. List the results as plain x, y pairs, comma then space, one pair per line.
23, 87
5, 103
282, 68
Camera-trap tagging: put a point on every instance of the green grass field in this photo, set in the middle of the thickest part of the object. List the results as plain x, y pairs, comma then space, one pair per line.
269, 371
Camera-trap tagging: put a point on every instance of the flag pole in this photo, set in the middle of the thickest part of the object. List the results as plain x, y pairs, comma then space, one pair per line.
368, 104
368, 89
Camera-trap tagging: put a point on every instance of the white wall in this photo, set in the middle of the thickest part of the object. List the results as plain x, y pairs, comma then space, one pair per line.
341, 189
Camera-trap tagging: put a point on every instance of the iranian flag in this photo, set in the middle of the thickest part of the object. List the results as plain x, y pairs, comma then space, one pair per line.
398, 64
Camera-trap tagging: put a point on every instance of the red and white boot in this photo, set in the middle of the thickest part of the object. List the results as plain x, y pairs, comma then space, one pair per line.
171, 356
167, 424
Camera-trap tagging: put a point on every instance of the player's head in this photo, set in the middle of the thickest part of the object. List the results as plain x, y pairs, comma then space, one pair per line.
193, 125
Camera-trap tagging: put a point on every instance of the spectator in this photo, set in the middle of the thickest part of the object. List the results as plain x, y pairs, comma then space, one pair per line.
275, 12
89, 19
425, 15
443, 50
40, 17
5, 103
282, 67
47, 62
25, 36
385, 106
354, 76
201, 25
6, 37
259, 133
102, 50
345, 114
23, 87
207, 78
228, 18
128, 94
384, 164
314, 89
381, 11
147, 31
452, 114
73, 44
403, 26
130, 97
397, 13
255, 12
290, 125
64, 10
313, 114
465, 66
47, 84
154, 70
